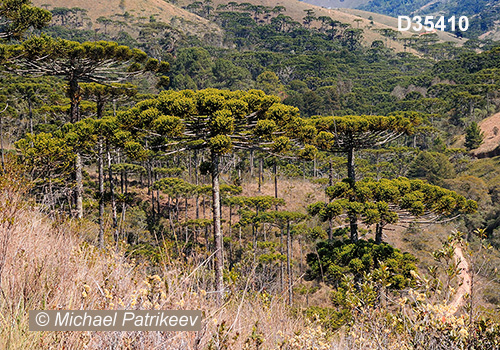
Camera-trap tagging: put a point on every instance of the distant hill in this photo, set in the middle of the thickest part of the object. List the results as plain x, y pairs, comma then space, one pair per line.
483, 15
296, 9
333, 4
392, 22
141, 11
137, 10
491, 142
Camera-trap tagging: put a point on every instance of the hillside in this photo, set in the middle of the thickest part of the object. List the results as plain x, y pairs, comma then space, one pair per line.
335, 4
140, 11
491, 141
181, 19
294, 173
392, 22
482, 14
296, 9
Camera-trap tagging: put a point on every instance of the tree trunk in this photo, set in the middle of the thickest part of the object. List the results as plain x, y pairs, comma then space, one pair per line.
218, 241
230, 221
79, 186
203, 205
100, 108
100, 166
30, 115
126, 182
288, 263
351, 172
153, 204
113, 201
281, 261
1, 143
330, 183
158, 202
122, 180
353, 223
275, 173
150, 180
196, 182
260, 174
378, 233
314, 167
74, 96
124, 209
251, 162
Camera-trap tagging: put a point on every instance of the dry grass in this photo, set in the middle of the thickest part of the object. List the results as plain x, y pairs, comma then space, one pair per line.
162, 10
489, 126
297, 193
48, 266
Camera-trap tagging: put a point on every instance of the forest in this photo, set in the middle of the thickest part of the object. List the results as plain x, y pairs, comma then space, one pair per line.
305, 189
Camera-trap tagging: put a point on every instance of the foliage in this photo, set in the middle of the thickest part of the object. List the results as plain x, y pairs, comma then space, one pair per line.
338, 259
18, 16
432, 166
473, 136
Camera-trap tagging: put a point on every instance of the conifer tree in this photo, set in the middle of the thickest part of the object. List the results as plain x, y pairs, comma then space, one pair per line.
284, 220
92, 62
102, 94
473, 137
350, 133
98, 62
18, 16
389, 201
218, 121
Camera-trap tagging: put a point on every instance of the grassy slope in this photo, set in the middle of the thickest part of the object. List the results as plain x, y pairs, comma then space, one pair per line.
491, 141
194, 24
338, 3
163, 11
295, 9
48, 265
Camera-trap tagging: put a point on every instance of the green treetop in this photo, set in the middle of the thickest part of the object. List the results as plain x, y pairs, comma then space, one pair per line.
389, 201
97, 62
219, 121
350, 133
18, 16
473, 137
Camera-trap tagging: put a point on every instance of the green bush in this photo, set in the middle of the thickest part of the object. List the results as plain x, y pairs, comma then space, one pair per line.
340, 258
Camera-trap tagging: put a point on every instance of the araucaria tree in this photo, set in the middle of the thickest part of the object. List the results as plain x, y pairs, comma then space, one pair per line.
218, 121
18, 16
351, 133
389, 201
90, 62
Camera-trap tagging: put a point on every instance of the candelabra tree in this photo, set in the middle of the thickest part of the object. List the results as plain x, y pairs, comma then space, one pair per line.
386, 202
19, 16
350, 133
219, 121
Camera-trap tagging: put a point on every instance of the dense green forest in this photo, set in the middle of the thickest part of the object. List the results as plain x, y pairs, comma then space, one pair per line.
285, 176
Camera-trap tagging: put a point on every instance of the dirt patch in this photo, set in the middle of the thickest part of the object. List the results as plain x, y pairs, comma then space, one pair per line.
465, 277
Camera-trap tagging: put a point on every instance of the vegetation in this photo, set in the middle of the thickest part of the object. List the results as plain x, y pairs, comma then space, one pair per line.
289, 178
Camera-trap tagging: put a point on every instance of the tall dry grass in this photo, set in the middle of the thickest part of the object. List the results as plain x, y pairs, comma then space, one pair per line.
46, 265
